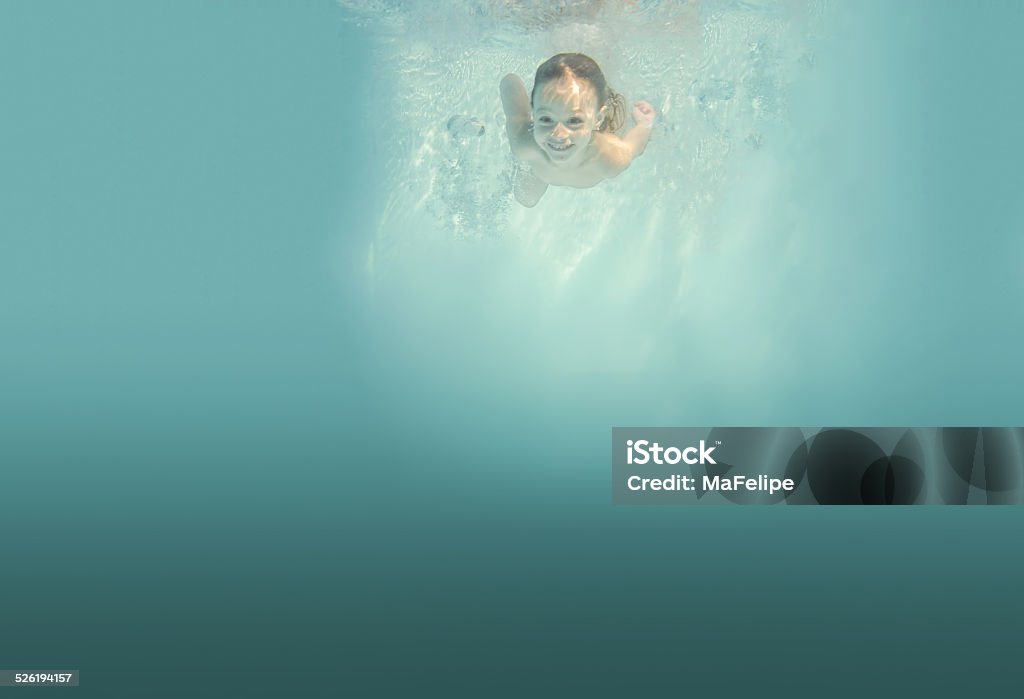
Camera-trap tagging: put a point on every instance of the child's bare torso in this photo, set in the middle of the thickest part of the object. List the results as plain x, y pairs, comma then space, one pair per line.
587, 174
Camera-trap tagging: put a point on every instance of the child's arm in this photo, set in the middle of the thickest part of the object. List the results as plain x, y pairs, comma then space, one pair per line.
517, 116
617, 153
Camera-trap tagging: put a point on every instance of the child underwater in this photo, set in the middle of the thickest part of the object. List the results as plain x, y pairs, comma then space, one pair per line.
565, 130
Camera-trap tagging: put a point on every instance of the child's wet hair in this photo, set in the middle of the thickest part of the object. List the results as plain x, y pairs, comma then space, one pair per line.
613, 104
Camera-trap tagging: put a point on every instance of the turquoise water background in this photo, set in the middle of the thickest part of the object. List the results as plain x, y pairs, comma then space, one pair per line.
229, 467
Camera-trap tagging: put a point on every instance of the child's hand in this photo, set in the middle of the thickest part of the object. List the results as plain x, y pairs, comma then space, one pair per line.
643, 114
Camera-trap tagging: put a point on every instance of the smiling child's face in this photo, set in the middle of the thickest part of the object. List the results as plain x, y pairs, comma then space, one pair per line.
565, 116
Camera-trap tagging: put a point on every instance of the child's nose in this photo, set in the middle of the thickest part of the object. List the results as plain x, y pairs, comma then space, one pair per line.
560, 130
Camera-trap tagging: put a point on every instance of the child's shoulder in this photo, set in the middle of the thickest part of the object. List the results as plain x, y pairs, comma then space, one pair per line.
612, 154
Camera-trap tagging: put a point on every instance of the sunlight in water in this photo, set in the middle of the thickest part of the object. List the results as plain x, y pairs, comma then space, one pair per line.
626, 253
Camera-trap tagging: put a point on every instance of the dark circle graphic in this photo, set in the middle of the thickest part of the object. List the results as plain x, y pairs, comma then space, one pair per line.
986, 458
837, 462
984, 464
892, 480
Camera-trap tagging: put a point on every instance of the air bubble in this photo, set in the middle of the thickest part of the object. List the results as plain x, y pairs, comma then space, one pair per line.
463, 128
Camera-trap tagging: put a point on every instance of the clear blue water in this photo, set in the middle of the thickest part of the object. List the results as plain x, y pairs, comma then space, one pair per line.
819, 227
235, 441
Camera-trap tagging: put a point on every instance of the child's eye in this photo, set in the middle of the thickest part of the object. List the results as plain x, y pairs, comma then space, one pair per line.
575, 121
545, 120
